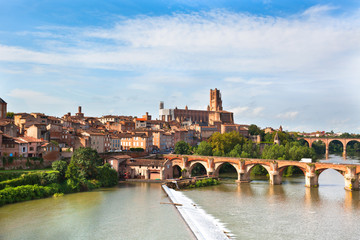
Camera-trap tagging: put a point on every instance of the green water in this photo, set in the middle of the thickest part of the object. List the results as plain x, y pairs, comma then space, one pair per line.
130, 211
254, 210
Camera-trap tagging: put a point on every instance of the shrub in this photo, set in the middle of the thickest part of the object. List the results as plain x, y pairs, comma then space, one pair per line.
107, 176
40, 178
9, 175
24, 193
60, 166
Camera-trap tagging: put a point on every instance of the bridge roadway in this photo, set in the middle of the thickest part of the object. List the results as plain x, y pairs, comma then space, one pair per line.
275, 168
328, 140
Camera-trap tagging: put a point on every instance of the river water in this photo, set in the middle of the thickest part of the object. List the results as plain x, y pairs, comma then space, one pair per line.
255, 210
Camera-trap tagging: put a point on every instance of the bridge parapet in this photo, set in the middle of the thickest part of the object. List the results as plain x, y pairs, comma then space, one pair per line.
275, 168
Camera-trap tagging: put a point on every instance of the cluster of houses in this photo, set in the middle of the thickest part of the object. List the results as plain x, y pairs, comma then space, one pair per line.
40, 135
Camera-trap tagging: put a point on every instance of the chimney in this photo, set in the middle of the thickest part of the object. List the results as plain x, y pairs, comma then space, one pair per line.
79, 109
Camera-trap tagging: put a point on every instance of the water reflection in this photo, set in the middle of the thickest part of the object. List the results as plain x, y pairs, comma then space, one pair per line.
276, 193
312, 197
352, 200
244, 189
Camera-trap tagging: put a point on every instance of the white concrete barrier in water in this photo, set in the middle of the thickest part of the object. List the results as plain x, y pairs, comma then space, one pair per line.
203, 225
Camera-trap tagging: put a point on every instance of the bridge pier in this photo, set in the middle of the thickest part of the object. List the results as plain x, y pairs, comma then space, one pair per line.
351, 179
275, 178
243, 178
311, 178
344, 152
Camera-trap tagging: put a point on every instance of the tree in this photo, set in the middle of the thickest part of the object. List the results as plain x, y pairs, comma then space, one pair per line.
182, 147
60, 166
254, 130
86, 159
10, 115
204, 149
224, 143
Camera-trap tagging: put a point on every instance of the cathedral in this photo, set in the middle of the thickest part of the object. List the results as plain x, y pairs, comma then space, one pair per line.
213, 115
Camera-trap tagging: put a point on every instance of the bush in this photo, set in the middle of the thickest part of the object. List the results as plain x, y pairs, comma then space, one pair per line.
40, 178
60, 166
24, 193
9, 175
107, 176
136, 149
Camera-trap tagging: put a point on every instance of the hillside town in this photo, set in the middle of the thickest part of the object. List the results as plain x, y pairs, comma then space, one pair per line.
37, 135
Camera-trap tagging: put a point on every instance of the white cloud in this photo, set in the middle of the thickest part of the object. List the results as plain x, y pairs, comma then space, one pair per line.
247, 111
288, 115
218, 41
31, 97
255, 60
318, 10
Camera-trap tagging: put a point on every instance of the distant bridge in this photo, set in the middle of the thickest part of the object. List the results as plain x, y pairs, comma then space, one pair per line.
327, 141
275, 168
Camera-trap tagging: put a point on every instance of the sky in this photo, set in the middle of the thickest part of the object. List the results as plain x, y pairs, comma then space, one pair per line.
276, 62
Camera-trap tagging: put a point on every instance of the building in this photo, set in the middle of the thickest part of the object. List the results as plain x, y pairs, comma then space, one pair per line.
8, 127
3, 109
136, 140
213, 113
38, 131
29, 146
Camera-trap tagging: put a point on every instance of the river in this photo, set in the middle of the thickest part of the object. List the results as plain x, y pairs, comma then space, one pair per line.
250, 211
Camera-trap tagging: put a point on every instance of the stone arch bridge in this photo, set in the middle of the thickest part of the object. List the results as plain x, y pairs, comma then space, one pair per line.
275, 168
327, 142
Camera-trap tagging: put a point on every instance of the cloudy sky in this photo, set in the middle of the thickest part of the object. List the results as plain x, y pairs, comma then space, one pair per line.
277, 62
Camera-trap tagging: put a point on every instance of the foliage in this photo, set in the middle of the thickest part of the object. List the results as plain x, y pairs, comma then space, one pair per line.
107, 176
40, 178
86, 159
10, 115
284, 137
224, 143
137, 149
182, 147
205, 182
61, 167
198, 170
291, 151
24, 193
204, 149
259, 170
292, 170
255, 130
9, 175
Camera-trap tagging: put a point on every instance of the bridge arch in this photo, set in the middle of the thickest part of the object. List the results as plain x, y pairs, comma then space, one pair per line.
284, 167
250, 167
176, 171
193, 164
218, 166
349, 141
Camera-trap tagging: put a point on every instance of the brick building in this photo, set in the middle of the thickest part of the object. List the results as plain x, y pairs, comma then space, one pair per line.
213, 113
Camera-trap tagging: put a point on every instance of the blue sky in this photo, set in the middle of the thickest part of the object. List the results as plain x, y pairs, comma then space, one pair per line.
290, 63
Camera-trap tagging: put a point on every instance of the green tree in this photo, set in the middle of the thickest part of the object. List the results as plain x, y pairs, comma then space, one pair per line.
204, 149
86, 159
10, 115
182, 147
236, 152
224, 143
60, 166
107, 176
254, 130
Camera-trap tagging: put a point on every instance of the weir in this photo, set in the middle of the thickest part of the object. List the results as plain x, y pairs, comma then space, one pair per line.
203, 225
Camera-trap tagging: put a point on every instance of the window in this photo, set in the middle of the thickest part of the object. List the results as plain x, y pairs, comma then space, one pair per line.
31, 148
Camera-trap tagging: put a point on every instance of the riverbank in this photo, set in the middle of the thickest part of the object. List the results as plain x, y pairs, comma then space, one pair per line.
203, 225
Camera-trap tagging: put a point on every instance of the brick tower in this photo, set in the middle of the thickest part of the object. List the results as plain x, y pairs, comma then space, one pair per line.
3, 110
215, 100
